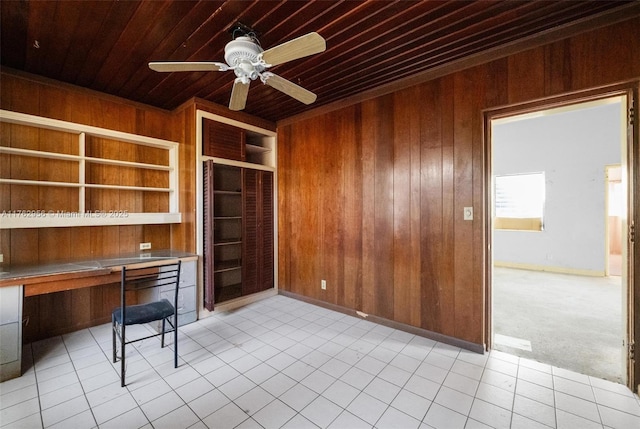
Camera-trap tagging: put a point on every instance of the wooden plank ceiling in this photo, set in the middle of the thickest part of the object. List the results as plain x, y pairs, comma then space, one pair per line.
106, 45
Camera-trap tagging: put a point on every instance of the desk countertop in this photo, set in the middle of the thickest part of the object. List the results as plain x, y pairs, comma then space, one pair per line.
11, 275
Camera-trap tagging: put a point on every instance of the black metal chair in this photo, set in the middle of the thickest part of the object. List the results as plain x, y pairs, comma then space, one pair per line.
165, 279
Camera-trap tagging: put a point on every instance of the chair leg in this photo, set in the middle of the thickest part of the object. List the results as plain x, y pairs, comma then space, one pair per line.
113, 337
175, 340
122, 355
164, 321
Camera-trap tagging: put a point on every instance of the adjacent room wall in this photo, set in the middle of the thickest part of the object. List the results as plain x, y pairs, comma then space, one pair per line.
371, 196
572, 149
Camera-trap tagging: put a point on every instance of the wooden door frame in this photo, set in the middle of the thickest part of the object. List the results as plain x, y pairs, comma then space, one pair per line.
630, 89
633, 174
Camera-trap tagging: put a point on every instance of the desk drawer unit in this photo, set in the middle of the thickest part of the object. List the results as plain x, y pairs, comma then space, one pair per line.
10, 332
187, 300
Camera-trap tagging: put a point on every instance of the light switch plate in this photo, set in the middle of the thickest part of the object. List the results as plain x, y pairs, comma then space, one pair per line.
468, 213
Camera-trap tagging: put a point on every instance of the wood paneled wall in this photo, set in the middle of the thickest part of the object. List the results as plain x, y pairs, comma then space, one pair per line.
371, 196
47, 99
61, 312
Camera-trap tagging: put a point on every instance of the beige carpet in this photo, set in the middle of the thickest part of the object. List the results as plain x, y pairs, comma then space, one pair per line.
572, 322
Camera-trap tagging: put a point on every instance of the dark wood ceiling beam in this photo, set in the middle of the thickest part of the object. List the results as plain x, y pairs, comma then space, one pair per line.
372, 32
317, 19
359, 21
141, 21
367, 62
454, 45
107, 35
274, 31
54, 49
415, 44
13, 33
83, 39
199, 41
145, 43
343, 47
40, 29
175, 40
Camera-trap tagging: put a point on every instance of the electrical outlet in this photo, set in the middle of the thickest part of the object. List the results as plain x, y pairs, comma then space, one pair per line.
1, 258
323, 284
145, 246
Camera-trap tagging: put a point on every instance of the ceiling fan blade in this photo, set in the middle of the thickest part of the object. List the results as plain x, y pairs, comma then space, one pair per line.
303, 46
239, 95
289, 88
170, 66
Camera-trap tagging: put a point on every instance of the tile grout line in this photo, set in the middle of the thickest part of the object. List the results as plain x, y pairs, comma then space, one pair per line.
84, 393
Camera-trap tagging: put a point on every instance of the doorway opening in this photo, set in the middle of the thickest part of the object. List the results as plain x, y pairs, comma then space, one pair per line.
558, 255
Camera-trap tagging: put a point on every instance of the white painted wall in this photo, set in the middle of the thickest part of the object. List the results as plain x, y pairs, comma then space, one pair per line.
572, 148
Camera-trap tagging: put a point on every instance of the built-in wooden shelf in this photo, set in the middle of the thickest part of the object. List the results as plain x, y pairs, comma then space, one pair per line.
93, 146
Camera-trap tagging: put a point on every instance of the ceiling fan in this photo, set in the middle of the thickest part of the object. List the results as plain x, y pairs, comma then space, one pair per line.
249, 61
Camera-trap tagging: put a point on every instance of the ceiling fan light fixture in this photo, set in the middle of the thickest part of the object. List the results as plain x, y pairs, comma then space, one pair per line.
243, 48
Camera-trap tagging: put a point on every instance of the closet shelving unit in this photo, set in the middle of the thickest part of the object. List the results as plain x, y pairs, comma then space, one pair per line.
238, 209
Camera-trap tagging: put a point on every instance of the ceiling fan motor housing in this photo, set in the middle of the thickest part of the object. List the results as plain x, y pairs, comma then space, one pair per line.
242, 54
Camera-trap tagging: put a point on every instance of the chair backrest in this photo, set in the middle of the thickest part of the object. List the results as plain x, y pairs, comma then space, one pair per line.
164, 277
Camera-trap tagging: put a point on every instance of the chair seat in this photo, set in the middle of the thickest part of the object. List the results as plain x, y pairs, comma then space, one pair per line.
144, 313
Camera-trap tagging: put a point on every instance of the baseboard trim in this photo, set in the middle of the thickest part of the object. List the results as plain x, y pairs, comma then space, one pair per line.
550, 269
452, 341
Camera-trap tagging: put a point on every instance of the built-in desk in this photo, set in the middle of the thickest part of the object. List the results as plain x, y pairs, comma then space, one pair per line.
18, 282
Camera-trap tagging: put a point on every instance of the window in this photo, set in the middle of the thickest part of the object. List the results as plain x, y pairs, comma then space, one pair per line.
519, 202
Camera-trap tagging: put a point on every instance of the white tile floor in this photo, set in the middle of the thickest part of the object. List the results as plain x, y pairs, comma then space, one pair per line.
282, 363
